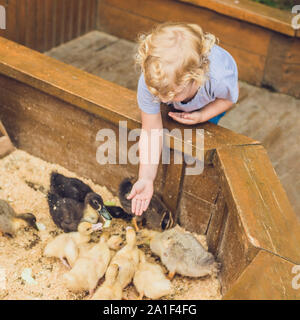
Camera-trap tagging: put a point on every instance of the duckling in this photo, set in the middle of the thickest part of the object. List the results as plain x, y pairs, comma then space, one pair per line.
181, 253
67, 213
119, 213
90, 267
127, 259
111, 288
10, 221
115, 242
149, 280
68, 187
65, 246
156, 217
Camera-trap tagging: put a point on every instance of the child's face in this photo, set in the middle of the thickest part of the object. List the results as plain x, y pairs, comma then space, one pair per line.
187, 93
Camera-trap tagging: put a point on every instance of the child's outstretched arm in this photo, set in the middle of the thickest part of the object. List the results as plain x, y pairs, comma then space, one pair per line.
211, 110
150, 146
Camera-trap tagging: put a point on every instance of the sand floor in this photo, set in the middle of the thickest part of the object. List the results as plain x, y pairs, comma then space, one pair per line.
24, 181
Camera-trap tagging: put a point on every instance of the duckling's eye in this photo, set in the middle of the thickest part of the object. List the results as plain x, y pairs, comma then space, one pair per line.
95, 202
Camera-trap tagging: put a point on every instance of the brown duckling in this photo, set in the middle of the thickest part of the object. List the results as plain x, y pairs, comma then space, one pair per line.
156, 217
181, 253
10, 221
67, 213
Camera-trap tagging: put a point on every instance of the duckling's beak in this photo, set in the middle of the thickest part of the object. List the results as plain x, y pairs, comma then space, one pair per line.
97, 226
104, 213
34, 226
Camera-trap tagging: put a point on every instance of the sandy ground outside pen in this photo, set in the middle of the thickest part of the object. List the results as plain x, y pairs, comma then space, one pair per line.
24, 182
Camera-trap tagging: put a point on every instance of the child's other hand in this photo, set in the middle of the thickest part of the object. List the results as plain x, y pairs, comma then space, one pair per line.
141, 194
186, 117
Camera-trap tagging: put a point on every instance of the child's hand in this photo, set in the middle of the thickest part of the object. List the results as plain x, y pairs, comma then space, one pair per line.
186, 117
141, 194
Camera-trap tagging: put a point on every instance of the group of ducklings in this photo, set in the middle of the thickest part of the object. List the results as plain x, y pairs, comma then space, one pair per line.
78, 210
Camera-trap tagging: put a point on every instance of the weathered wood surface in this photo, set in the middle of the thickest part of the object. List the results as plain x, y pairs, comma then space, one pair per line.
250, 11
268, 277
254, 192
43, 24
101, 54
245, 41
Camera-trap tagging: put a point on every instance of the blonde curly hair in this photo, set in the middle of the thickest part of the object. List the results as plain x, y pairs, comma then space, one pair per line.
172, 56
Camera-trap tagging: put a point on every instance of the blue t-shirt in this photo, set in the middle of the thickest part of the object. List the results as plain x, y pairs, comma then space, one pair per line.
222, 83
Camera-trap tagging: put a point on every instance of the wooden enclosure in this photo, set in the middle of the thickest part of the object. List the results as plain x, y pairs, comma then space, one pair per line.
54, 111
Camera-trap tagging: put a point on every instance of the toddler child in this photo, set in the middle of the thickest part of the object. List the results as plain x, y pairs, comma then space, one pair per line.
183, 67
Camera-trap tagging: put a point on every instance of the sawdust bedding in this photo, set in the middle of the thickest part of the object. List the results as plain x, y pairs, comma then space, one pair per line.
24, 181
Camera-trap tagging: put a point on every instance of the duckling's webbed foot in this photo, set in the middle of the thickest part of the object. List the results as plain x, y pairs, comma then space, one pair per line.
171, 275
65, 263
134, 222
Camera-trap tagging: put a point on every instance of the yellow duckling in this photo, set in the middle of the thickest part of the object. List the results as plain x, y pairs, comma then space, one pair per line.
90, 267
11, 222
149, 280
111, 288
65, 246
127, 259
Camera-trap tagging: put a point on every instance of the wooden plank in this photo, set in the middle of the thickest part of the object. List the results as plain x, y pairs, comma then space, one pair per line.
93, 14
254, 192
31, 31
83, 19
204, 186
76, 19
59, 24
173, 186
230, 31
40, 13
250, 11
283, 65
268, 277
11, 22
49, 23
67, 18
195, 213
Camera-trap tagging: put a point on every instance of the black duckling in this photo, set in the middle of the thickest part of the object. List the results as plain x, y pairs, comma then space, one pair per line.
119, 213
67, 213
156, 217
10, 221
69, 187
75, 189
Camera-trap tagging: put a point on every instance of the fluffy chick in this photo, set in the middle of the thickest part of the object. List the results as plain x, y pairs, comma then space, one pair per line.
181, 253
90, 267
111, 288
65, 246
127, 259
149, 280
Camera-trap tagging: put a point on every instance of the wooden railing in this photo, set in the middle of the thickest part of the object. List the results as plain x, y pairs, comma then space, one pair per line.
54, 111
